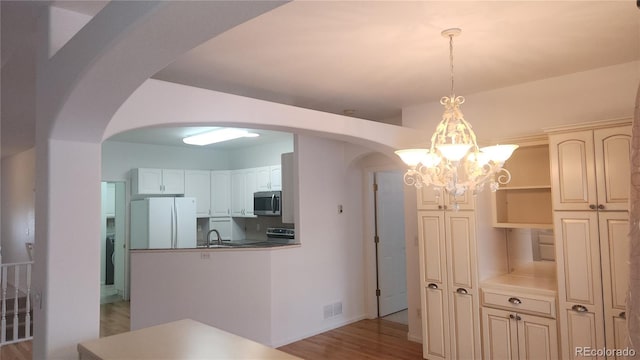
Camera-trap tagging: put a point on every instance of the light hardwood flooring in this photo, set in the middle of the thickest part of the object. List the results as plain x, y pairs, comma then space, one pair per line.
366, 339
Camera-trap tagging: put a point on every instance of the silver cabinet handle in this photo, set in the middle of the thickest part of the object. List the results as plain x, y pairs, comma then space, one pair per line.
623, 315
515, 301
432, 286
462, 291
579, 308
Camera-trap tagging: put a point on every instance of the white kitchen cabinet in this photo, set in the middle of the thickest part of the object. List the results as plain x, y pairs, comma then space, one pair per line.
511, 335
590, 172
432, 198
590, 169
145, 181
449, 295
110, 200
243, 185
197, 184
221, 193
579, 280
614, 247
269, 178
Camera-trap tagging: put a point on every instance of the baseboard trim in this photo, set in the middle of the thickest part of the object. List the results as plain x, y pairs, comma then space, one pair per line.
277, 344
414, 338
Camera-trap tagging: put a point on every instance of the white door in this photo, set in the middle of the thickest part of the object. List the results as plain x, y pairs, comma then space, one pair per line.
263, 178
612, 154
237, 193
392, 274
220, 193
537, 337
276, 177
250, 184
500, 334
185, 223
149, 181
172, 181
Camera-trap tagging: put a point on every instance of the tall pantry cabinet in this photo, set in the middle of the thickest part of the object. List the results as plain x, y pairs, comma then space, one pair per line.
449, 277
590, 174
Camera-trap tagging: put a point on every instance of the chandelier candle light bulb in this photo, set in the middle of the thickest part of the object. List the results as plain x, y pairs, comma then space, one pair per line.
454, 162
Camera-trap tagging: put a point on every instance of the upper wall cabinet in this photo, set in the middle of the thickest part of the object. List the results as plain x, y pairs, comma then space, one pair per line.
432, 198
590, 169
197, 184
145, 181
221, 193
269, 178
525, 202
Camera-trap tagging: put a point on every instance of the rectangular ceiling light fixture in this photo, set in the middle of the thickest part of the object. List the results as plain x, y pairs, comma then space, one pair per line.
218, 135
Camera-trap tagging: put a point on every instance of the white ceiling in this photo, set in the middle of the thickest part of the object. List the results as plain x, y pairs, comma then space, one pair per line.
376, 57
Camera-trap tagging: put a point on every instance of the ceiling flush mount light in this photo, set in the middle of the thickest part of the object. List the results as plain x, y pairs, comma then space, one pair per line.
217, 135
454, 162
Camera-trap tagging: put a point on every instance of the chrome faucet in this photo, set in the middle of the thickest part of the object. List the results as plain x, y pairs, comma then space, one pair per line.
209, 237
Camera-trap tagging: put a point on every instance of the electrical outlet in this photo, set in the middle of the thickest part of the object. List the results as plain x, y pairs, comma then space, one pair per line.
328, 311
204, 255
337, 308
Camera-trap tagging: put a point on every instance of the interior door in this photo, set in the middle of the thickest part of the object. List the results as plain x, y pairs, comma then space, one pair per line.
392, 275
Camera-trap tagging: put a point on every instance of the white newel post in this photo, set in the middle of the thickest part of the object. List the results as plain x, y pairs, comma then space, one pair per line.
66, 289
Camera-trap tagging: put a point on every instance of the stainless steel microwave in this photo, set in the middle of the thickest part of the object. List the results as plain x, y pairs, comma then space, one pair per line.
267, 203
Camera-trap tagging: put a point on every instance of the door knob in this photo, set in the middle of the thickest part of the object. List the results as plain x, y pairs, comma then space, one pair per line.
623, 315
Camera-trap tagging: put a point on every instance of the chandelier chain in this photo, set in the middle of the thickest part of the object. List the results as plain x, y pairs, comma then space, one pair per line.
453, 94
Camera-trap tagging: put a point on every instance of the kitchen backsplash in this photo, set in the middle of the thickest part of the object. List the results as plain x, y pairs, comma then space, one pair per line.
256, 228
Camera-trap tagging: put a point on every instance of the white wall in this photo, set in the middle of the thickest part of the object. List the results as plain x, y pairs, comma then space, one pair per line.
525, 109
259, 155
329, 266
18, 202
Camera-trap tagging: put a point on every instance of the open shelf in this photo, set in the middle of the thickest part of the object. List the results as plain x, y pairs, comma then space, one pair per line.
525, 202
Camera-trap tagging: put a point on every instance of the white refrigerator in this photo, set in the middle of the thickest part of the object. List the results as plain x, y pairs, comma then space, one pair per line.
163, 223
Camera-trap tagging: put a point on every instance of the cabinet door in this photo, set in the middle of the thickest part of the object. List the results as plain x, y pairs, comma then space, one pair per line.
220, 193
148, 181
432, 198
537, 337
579, 281
263, 178
197, 184
500, 335
614, 247
250, 183
435, 321
275, 177
465, 320
173, 181
573, 171
461, 252
237, 193
612, 155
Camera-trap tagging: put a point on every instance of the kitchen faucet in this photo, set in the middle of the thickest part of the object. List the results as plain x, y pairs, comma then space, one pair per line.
209, 237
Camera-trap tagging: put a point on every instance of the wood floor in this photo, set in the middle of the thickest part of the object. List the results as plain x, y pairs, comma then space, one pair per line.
366, 339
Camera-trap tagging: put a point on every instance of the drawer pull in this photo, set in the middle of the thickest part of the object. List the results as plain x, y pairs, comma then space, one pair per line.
601, 207
592, 206
432, 286
515, 301
579, 308
462, 291
623, 315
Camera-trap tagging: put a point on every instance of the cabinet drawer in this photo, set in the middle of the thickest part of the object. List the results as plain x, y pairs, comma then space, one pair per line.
524, 303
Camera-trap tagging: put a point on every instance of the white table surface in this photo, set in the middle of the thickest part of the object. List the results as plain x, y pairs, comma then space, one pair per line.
182, 339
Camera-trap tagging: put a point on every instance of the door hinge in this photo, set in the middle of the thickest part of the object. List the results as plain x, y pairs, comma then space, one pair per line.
376, 239
375, 187
377, 292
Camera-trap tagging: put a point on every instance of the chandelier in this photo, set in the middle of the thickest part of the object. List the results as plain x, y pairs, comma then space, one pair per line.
454, 162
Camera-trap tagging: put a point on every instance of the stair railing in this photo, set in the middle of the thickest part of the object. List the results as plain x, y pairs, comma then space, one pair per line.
15, 302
